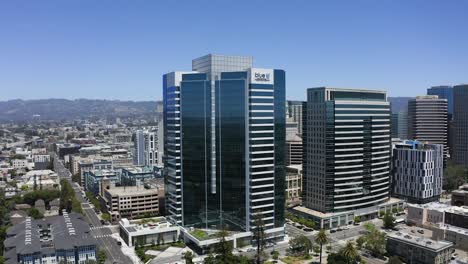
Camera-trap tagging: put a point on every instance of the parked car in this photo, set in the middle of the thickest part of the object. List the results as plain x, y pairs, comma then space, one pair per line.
420, 231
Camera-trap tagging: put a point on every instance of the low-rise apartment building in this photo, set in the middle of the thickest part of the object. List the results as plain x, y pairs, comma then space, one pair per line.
418, 250
429, 214
63, 238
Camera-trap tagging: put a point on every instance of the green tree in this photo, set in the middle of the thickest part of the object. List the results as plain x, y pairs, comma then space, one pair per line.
188, 257
394, 260
210, 259
101, 256
300, 246
350, 252
322, 239
357, 219
34, 213
223, 248
454, 176
242, 260
259, 236
336, 258
275, 254
374, 241
381, 213
24, 188
106, 217
388, 221
76, 178
2, 260
360, 242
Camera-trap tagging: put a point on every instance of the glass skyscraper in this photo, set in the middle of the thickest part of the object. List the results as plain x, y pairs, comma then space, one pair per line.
460, 121
346, 151
224, 144
444, 92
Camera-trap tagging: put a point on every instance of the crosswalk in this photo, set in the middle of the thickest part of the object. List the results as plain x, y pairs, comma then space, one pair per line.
98, 227
102, 236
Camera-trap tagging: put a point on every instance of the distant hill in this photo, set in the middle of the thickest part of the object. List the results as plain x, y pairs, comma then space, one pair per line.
60, 109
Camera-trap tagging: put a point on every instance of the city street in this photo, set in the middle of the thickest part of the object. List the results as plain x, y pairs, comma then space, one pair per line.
101, 233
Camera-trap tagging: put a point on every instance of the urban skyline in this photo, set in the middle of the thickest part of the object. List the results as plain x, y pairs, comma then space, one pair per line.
301, 132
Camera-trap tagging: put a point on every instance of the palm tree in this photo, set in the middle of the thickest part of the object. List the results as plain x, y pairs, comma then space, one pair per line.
321, 238
349, 252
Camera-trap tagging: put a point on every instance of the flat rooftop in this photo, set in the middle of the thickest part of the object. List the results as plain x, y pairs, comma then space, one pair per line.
303, 209
131, 191
146, 225
461, 210
432, 206
136, 170
103, 172
434, 245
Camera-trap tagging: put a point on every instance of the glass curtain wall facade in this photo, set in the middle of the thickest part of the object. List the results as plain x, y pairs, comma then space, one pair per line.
224, 147
460, 122
347, 159
444, 92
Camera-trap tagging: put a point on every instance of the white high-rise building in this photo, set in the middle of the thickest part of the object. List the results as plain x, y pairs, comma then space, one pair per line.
417, 171
146, 147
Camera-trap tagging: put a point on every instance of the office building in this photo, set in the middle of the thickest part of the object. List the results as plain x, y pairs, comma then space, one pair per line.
131, 176
131, 201
427, 121
460, 196
446, 92
460, 123
294, 112
418, 250
79, 165
96, 181
399, 109
347, 151
293, 150
293, 182
66, 149
41, 161
443, 92
400, 125
63, 238
417, 171
292, 128
224, 145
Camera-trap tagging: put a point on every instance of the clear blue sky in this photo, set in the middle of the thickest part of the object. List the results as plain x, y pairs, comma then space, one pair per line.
119, 49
